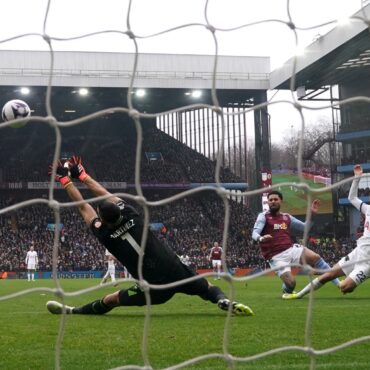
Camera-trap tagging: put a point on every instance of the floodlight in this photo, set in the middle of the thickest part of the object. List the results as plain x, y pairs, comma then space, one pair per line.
196, 94
25, 90
83, 91
140, 93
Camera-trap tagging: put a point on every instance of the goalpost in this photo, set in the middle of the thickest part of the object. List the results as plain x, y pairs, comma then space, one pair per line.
128, 108
322, 180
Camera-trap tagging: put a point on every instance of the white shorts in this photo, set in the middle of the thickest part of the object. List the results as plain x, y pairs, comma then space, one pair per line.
216, 263
358, 272
285, 258
31, 266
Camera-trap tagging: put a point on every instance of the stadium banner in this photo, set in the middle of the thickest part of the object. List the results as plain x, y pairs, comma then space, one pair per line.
226, 185
70, 274
181, 185
122, 185
12, 185
45, 185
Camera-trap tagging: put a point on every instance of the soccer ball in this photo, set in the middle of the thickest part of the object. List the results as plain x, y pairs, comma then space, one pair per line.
14, 109
66, 165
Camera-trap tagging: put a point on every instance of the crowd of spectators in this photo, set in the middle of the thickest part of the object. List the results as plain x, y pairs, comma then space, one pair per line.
362, 192
109, 157
330, 249
317, 171
78, 249
190, 225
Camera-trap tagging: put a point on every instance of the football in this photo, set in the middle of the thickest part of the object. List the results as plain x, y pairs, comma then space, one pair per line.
14, 109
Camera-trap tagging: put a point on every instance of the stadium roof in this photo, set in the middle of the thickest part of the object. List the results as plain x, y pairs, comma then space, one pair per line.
341, 55
102, 69
170, 79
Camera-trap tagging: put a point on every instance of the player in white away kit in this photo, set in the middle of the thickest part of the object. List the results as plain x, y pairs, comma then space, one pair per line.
353, 265
111, 271
31, 261
215, 258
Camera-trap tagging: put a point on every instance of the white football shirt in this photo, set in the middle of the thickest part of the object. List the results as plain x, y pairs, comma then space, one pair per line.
31, 257
360, 205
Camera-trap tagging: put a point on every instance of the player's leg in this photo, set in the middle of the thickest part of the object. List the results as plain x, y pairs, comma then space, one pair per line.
113, 276
281, 263
33, 274
134, 296
202, 288
105, 278
317, 283
28, 274
215, 295
288, 279
314, 260
218, 270
356, 272
214, 267
357, 276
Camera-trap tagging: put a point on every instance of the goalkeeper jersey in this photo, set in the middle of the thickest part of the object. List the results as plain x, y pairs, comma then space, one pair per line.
160, 263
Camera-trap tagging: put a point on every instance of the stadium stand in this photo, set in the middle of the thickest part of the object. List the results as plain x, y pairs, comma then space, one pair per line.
191, 225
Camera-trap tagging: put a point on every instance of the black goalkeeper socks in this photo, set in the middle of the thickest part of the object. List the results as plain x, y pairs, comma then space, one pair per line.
214, 294
97, 307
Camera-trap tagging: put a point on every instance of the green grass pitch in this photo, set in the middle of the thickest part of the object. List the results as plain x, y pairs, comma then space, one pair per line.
295, 200
183, 328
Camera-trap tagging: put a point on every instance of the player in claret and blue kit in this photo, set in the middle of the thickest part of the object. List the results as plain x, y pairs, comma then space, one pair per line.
119, 227
272, 230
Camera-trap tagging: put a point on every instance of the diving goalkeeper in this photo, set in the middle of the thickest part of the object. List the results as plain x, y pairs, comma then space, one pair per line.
119, 227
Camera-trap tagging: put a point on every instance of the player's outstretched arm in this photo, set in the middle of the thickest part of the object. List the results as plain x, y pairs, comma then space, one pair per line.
78, 172
352, 195
87, 212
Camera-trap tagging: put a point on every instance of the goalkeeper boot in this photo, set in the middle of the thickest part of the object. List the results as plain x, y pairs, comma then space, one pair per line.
287, 289
238, 309
57, 308
288, 296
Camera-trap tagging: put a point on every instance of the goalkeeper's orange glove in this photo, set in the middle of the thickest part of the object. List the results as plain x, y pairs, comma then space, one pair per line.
77, 169
62, 174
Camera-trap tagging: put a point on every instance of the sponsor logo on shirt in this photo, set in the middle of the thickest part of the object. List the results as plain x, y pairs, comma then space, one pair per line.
282, 226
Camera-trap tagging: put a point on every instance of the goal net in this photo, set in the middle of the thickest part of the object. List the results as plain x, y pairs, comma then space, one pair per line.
198, 161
